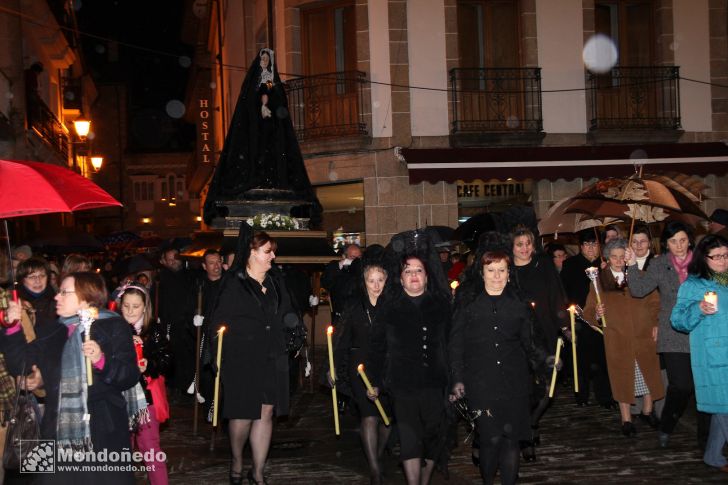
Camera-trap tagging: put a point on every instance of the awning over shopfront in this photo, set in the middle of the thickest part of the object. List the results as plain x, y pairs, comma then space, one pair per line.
554, 162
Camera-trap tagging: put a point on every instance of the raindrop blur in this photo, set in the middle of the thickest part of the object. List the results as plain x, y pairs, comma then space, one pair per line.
100, 48
281, 113
600, 54
91, 135
512, 121
333, 175
69, 95
185, 61
77, 4
175, 109
9, 95
375, 104
213, 85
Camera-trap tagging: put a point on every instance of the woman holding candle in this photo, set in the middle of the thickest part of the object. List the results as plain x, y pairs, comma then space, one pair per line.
57, 366
407, 356
704, 316
538, 281
665, 273
255, 307
135, 307
490, 347
632, 362
351, 350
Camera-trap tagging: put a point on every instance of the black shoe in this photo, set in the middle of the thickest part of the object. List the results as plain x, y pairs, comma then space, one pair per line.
582, 404
236, 478
650, 419
253, 481
476, 460
628, 429
609, 405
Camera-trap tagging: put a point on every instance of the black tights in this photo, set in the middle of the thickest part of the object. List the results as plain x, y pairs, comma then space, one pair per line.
374, 436
499, 454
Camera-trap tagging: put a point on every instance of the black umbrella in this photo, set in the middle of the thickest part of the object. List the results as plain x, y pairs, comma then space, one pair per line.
64, 243
470, 230
133, 265
440, 235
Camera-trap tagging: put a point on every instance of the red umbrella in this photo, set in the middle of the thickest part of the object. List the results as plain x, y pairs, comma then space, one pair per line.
28, 188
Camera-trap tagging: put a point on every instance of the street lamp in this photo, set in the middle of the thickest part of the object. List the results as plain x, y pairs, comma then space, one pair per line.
96, 163
82, 127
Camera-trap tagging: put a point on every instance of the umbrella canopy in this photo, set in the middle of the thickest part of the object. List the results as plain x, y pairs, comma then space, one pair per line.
29, 188
556, 220
637, 198
120, 238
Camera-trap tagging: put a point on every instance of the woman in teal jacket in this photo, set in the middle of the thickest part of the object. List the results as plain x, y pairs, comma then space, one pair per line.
707, 324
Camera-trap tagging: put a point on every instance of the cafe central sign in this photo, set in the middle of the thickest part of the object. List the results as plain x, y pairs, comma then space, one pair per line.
479, 190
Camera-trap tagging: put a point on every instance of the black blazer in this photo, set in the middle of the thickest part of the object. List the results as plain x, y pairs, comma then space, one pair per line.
408, 344
491, 347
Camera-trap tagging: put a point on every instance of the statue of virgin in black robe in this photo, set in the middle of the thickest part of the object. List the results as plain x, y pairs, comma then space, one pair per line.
261, 158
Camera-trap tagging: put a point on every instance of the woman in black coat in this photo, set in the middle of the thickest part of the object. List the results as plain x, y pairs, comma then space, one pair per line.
537, 280
407, 358
351, 349
59, 368
255, 308
490, 349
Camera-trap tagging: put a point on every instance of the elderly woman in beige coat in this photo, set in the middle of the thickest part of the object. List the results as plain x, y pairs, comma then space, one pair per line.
629, 338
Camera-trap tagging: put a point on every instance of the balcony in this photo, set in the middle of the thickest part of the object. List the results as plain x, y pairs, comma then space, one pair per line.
635, 99
327, 106
44, 123
489, 104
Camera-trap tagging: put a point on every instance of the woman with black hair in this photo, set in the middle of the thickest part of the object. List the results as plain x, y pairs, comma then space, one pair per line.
707, 323
538, 281
408, 358
351, 349
666, 273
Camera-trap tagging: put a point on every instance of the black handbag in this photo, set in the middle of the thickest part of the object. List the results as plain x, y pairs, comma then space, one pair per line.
24, 425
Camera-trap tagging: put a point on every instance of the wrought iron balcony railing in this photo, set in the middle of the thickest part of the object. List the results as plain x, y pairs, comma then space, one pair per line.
496, 100
635, 98
327, 105
42, 120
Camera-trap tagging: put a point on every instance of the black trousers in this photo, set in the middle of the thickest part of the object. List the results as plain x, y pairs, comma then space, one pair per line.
592, 363
680, 388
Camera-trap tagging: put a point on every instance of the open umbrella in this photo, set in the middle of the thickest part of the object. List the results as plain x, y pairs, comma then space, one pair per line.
29, 188
68, 242
636, 198
557, 220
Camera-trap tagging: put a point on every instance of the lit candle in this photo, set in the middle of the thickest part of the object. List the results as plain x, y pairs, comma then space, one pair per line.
368, 384
454, 285
712, 298
216, 400
332, 372
559, 344
572, 314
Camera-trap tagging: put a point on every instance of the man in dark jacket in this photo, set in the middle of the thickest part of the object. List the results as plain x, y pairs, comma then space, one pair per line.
591, 358
176, 302
340, 279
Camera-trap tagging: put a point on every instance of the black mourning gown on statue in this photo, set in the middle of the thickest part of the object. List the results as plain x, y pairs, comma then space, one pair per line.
261, 152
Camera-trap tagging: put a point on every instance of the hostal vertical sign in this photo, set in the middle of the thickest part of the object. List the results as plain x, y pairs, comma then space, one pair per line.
204, 140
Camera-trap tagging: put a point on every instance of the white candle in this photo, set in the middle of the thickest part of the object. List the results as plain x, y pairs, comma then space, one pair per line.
712, 298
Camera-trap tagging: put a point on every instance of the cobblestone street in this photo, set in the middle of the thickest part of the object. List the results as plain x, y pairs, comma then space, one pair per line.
579, 446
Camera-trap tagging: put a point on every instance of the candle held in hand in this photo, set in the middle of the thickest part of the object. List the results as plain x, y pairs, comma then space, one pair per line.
572, 316
559, 344
216, 400
332, 372
712, 298
377, 402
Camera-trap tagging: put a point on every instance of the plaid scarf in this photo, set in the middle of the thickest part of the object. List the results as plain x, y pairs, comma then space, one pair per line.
136, 406
721, 278
7, 391
73, 428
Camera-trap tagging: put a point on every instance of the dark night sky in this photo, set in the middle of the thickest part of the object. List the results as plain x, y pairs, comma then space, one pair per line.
151, 61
